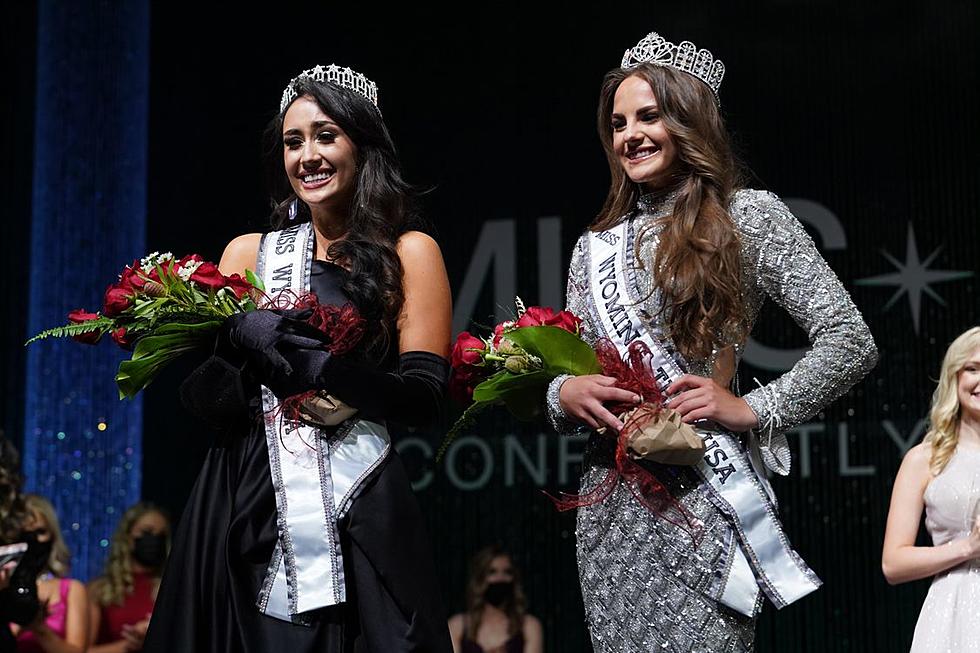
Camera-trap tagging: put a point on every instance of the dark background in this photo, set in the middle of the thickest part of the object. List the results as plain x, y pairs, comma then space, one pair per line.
868, 110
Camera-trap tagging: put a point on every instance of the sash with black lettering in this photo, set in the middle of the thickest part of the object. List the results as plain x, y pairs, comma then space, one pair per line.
315, 473
763, 558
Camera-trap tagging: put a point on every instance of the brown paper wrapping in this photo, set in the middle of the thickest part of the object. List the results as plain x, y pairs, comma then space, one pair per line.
665, 439
325, 410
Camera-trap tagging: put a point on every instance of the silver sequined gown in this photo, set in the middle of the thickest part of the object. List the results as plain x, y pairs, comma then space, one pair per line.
950, 617
644, 586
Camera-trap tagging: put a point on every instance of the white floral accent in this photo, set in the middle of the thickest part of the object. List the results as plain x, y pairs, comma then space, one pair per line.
187, 269
150, 261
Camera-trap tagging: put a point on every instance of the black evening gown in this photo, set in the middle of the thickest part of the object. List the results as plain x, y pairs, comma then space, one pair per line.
226, 536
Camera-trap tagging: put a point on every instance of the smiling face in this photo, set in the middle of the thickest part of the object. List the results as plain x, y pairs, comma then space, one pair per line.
319, 158
968, 387
640, 139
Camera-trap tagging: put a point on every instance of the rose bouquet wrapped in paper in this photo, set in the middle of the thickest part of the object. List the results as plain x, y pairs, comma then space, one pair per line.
515, 364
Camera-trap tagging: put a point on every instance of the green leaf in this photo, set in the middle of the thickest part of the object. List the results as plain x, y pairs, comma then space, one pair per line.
503, 384
135, 374
254, 280
155, 351
102, 324
467, 419
560, 351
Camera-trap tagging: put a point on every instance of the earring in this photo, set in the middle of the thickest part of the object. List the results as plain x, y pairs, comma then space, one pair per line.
293, 209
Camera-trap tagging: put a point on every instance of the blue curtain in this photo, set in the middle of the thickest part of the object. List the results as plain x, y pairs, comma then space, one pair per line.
82, 445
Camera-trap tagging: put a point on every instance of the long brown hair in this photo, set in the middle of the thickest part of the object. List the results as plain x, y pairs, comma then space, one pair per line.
476, 585
12, 508
382, 208
697, 266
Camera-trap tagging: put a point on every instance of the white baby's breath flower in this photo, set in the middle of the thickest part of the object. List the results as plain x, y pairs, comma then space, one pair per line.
148, 262
187, 269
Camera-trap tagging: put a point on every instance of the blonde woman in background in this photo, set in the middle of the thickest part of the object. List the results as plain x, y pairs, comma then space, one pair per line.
942, 476
60, 626
123, 597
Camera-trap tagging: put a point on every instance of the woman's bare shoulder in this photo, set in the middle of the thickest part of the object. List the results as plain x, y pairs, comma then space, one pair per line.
240, 254
417, 244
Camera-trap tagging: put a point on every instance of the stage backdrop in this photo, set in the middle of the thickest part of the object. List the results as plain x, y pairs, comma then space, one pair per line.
865, 122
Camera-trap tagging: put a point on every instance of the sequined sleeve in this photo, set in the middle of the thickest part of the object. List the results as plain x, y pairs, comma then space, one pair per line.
787, 267
575, 301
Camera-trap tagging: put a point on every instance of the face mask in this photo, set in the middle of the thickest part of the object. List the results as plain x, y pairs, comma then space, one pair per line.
497, 594
150, 550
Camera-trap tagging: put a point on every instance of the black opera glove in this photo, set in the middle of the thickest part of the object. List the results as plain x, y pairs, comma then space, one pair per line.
263, 336
247, 352
412, 396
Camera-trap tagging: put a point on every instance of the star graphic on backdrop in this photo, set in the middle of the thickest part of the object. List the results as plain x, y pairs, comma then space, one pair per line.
913, 277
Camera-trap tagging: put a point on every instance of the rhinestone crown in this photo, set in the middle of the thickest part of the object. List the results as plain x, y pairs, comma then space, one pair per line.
332, 74
683, 56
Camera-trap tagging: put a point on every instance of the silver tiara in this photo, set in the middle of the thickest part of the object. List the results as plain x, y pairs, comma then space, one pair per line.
683, 56
332, 74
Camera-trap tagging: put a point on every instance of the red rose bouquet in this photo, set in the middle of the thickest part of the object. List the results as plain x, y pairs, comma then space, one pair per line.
160, 308
516, 363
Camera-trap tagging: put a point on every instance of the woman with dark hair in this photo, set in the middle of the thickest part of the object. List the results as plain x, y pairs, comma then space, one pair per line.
302, 533
496, 619
675, 268
18, 579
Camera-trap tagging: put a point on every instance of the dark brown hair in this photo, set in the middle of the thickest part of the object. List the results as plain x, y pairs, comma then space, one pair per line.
13, 511
382, 207
697, 266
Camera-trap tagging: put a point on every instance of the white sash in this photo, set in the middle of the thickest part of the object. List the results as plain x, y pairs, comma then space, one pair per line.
315, 473
764, 558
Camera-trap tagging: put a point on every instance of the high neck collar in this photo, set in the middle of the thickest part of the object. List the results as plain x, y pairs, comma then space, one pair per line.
659, 202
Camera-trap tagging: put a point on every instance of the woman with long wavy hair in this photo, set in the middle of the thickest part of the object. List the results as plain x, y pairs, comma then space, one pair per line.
121, 599
676, 267
496, 619
61, 627
941, 476
302, 533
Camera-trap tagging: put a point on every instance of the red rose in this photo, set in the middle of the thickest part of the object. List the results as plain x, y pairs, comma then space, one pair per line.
187, 259
498, 333
565, 320
461, 384
207, 275
461, 356
117, 299
120, 338
79, 316
133, 278
536, 316
238, 285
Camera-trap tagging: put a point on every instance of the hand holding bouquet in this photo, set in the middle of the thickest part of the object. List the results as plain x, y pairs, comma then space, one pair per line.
162, 307
514, 364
